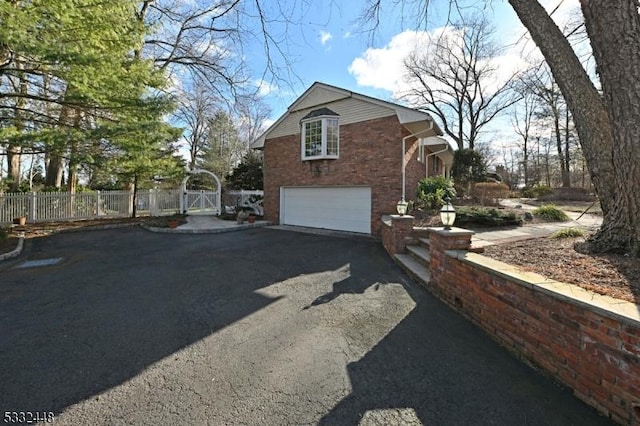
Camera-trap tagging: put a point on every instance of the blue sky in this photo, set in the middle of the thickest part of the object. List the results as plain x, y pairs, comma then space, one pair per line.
326, 46
331, 47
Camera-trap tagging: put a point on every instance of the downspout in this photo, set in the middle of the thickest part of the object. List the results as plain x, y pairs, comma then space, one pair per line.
404, 166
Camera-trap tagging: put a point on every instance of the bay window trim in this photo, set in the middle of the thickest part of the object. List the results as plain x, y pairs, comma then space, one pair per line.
325, 120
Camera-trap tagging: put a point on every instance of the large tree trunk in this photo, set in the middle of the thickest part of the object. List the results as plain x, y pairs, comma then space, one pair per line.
14, 160
614, 31
54, 170
616, 54
56, 153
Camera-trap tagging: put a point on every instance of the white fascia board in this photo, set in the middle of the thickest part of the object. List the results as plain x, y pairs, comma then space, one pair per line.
437, 140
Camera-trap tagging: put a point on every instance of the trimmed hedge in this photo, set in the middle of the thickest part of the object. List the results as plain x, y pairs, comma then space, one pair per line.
489, 193
536, 191
486, 217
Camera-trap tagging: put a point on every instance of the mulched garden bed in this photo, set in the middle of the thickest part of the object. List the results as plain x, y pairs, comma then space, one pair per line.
613, 275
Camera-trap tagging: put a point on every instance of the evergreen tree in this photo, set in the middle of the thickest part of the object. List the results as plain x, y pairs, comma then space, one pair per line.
69, 77
224, 149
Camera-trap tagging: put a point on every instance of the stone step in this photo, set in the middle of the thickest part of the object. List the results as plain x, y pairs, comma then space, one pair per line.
421, 253
425, 242
417, 270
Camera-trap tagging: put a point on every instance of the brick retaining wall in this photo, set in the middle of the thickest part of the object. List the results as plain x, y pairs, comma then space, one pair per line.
589, 342
397, 232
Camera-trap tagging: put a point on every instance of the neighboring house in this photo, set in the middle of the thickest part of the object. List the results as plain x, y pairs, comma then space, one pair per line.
334, 160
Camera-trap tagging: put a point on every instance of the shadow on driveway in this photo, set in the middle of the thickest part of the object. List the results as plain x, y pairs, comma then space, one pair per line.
124, 300
435, 368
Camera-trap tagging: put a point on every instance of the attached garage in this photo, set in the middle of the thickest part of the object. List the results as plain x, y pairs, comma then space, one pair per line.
340, 208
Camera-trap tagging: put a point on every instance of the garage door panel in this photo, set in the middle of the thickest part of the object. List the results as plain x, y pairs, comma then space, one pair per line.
339, 208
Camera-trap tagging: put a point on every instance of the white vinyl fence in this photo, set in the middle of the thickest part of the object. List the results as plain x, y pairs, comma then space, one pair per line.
57, 206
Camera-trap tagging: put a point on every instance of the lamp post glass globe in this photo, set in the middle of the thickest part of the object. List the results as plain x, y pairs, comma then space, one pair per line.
401, 207
447, 214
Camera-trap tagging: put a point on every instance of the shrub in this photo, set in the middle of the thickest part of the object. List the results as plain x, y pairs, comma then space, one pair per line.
568, 233
486, 217
551, 213
488, 193
536, 191
433, 190
568, 194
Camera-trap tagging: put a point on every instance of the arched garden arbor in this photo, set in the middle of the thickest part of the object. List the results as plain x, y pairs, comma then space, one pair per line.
200, 201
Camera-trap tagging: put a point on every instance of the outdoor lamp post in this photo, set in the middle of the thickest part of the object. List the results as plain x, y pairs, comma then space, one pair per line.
401, 207
447, 214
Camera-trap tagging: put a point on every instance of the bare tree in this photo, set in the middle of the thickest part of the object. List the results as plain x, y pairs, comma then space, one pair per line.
196, 109
209, 41
522, 119
607, 127
552, 108
252, 113
455, 79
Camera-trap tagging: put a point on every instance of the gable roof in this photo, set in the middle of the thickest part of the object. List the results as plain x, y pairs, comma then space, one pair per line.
413, 119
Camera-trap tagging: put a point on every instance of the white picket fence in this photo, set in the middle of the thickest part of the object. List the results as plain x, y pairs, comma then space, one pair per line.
59, 206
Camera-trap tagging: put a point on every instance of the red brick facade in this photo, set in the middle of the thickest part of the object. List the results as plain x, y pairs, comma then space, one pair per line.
370, 155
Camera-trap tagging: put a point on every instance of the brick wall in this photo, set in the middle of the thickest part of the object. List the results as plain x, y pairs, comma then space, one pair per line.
568, 332
397, 233
370, 155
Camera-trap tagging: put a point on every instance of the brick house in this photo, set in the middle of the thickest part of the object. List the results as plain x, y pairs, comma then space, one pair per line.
334, 160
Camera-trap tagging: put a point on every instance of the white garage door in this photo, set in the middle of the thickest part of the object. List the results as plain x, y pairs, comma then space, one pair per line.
340, 208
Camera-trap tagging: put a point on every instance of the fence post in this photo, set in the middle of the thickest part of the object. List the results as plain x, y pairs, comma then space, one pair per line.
131, 201
32, 212
153, 201
98, 203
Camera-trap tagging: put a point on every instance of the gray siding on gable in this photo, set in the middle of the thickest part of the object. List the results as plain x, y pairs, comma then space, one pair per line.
350, 111
320, 95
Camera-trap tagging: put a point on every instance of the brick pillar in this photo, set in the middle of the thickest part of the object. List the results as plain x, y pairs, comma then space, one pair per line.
441, 240
397, 233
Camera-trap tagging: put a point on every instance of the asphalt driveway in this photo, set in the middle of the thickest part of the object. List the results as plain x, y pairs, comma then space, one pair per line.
260, 327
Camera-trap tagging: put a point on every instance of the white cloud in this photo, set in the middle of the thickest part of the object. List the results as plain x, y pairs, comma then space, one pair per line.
265, 88
325, 37
383, 68
267, 123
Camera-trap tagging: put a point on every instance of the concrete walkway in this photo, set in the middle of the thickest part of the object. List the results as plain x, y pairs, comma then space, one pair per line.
587, 222
212, 225
208, 225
